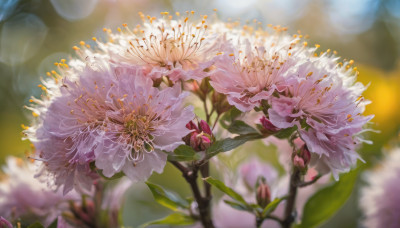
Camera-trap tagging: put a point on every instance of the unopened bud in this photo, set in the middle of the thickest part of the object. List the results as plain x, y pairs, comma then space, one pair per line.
263, 194
220, 102
200, 90
268, 126
4, 223
201, 138
302, 158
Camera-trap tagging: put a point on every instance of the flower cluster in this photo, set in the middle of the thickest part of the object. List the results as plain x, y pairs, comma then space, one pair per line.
119, 109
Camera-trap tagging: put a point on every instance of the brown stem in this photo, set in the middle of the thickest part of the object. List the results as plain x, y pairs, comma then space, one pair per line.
304, 184
203, 203
290, 215
205, 172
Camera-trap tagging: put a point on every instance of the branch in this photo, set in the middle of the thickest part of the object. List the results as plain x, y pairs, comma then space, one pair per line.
203, 203
304, 184
289, 215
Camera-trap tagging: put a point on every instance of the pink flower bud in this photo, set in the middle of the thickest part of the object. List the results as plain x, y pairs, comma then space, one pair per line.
203, 126
298, 162
4, 223
263, 194
201, 138
305, 154
268, 126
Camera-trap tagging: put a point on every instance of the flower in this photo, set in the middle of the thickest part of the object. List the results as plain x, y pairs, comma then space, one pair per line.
380, 201
26, 198
251, 70
4, 223
181, 49
113, 121
322, 100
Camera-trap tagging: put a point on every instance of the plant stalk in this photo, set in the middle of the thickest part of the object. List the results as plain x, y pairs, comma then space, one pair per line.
290, 213
203, 203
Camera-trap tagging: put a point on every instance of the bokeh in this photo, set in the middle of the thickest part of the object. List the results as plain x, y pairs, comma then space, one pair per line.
36, 33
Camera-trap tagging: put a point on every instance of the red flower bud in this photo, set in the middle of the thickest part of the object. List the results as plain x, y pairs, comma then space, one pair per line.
201, 138
268, 126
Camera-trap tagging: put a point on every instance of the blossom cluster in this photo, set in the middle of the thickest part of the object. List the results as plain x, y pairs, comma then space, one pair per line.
118, 107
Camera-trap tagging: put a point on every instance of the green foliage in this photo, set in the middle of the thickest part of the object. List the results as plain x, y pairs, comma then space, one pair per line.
36, 225
228, 144
116, 176
229, 117
227, 190
240, 127
285, 133
324, 204
183, 153
167, 199
176, 219
272, 206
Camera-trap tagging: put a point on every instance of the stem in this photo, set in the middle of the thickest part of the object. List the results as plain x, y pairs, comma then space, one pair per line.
205, 172
289, 215
304, 184
206, 111
203, 203
216, 121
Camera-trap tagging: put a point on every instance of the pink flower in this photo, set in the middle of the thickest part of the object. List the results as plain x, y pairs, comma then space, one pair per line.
26, 198
4, 223
250, 71
380, 199
325, 104
181, 49
117, 122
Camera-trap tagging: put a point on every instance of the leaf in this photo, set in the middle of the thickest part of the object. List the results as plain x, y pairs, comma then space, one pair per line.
239, 206
228, 144
182, 153
36, 225
167, 199
323, 204
272, 206
227, 190
229, 117
285, 133
240, 127
53, 224
176, 219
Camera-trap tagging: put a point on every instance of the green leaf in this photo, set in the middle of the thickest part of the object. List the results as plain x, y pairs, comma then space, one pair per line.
36, 225
285, 133
272, 206
324, 204
227, 190
167, 199
53, 224
229, 117
230, 144
182, 153
176, 219
240, 127
239, 206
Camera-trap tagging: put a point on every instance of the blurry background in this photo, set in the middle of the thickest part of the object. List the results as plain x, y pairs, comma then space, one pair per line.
36, 33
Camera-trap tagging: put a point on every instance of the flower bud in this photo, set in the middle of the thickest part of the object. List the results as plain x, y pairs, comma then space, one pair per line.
220, 102
200, 90
268, 126
201, 138
4, 223
263, 194
302, 158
